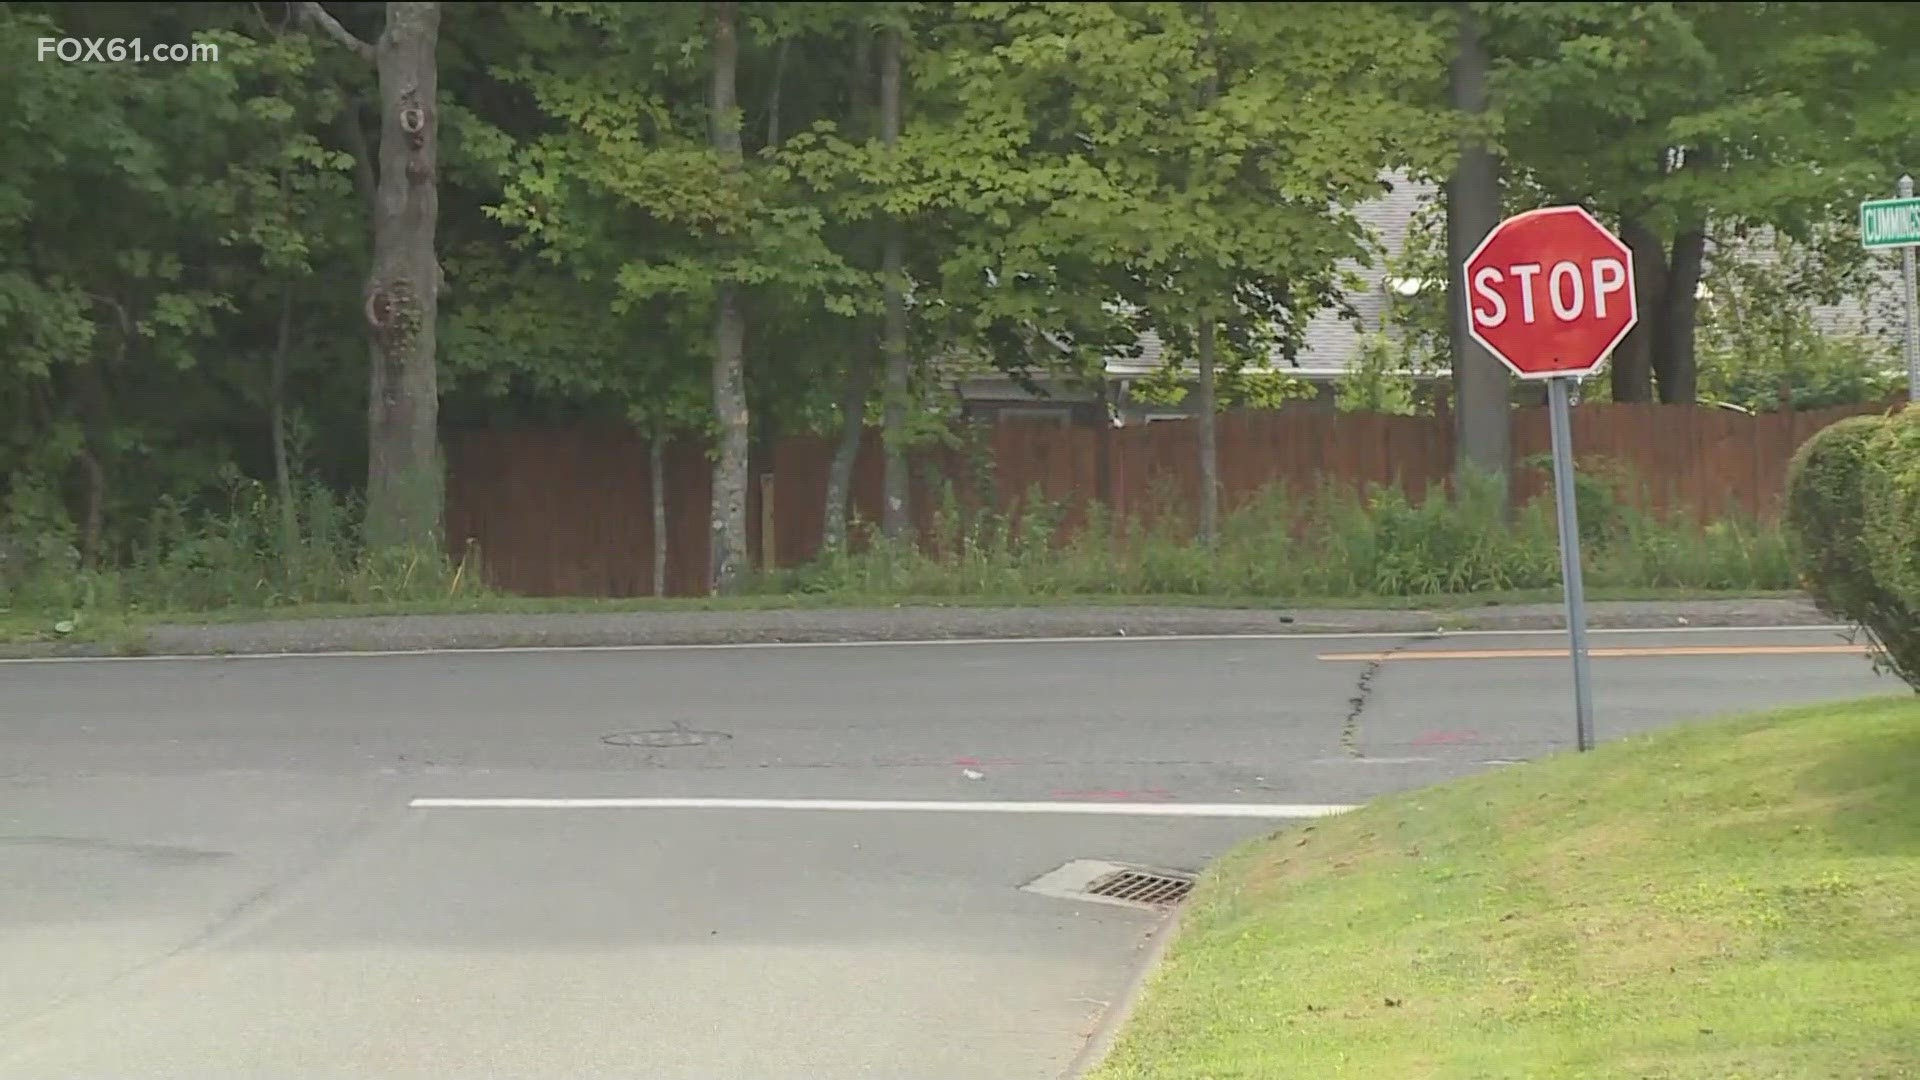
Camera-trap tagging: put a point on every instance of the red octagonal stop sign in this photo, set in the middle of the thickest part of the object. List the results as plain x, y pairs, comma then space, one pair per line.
1550, 292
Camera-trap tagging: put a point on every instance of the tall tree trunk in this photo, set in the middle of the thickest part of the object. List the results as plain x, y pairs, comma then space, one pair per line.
96, 454
93, 526
657, 485
853, 414
729, 556
861, 358
1482, 393
277, 425
1632, 365
1205, 396
1674, 368
405, 485
773, 92
1203, 403
896, 517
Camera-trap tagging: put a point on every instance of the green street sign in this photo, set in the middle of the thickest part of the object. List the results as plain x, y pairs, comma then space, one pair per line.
1890, 223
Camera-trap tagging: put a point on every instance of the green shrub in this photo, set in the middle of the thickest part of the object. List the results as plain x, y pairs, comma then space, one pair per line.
1824, 513
1890, 511
1844, 504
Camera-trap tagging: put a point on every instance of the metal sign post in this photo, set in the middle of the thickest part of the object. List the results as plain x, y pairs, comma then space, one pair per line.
1560, 418
1895, 223
1907, 303
1551, 295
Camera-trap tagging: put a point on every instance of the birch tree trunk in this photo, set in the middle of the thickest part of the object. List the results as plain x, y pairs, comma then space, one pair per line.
853, 410
1205, 395
1203, 401
861, 359
729, 556
895, 514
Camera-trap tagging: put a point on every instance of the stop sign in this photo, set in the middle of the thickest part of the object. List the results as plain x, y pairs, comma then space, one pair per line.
1550, 292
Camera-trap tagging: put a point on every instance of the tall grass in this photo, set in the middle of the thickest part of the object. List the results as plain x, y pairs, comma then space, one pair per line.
249, 552
1334, 543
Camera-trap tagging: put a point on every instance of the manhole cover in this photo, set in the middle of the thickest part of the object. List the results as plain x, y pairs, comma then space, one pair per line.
659, 740
1113, 883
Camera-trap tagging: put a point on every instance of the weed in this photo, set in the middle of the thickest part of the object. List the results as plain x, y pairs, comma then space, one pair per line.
1334, 542
236, 555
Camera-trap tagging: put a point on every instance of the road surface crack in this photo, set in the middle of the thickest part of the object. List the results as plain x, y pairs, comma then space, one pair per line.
1363, 694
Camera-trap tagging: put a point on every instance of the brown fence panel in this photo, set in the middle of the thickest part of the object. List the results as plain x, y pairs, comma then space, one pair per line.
567, 510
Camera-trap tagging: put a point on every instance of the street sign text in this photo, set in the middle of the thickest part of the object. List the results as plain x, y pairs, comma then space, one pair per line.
1890, 223
1567, 289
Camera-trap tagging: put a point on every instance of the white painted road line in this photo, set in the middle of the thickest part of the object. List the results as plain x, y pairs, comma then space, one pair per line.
1121, 809
1330, 635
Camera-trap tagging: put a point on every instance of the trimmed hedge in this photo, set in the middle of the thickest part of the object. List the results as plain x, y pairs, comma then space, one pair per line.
1890, 493
1853, 510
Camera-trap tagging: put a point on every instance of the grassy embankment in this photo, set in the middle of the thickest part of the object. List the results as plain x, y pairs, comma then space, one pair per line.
1736, 899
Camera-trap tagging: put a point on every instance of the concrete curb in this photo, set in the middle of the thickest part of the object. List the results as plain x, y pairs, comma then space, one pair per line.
507, 630
1100, 1044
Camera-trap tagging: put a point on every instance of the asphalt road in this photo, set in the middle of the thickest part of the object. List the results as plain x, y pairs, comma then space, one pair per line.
212, 868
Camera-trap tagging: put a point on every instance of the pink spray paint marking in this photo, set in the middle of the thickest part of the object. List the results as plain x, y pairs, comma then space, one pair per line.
1446, 738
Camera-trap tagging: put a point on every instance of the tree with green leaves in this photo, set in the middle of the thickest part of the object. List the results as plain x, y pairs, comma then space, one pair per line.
1762, 346
188, 280
1680, 119
651, 184
1207, 207
296, 219
156, 219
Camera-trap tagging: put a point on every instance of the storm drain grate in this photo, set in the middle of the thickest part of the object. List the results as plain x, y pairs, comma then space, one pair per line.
1099, 882
1143, 887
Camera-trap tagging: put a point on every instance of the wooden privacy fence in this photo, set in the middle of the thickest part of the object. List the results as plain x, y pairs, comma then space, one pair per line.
568, 510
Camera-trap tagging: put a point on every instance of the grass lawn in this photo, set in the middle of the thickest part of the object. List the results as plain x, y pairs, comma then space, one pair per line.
18, 625
1738, 899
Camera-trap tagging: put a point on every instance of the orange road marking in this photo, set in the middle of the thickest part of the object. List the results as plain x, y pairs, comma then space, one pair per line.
1651, 651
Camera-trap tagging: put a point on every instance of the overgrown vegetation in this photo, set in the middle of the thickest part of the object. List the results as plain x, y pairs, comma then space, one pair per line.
1761, 345
1331, 543
1731, 899
255, 555
187, 279
253, 552
1853, 505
